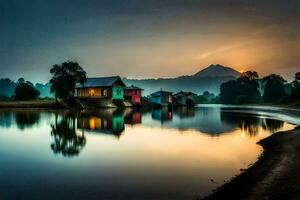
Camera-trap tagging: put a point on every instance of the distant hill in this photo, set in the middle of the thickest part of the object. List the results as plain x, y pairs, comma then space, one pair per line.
208, 79
218, 71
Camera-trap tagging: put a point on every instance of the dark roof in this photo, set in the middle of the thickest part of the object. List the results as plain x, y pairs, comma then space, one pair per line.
132, 87
100, 82
184, 93
158, 93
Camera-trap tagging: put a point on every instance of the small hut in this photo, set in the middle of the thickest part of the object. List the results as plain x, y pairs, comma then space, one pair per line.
133, 94
161, 98
185, 99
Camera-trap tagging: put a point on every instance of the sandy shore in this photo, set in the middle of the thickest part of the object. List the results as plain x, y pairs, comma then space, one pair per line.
276, 175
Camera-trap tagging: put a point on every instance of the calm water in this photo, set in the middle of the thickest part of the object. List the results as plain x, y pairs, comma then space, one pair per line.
109, 154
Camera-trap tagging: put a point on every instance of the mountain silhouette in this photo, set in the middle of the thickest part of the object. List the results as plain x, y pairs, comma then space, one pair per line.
217, 71
208, 79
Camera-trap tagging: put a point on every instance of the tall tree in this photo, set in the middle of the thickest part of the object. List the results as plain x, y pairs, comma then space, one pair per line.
243, 90
273, 88
64, 79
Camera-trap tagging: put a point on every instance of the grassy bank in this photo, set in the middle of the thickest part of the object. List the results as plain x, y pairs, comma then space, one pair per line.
32, 104
275, 175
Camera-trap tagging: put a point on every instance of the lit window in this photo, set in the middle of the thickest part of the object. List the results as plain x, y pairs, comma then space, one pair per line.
92, 123
92, 92
105, 92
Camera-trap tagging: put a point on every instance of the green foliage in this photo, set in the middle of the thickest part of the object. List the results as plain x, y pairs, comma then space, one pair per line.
64, 79
243, 90
273, 88
206, 97
25, 91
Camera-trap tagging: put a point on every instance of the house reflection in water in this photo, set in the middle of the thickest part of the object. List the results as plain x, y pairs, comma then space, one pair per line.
163, 114
133, 117
103, 121
185, 112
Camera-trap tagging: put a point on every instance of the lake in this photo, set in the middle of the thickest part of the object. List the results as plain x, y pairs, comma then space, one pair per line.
110, 154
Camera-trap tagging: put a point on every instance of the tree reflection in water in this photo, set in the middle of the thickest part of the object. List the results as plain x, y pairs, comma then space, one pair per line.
272, 125
27, 119
66, 139
251, 124
6, 118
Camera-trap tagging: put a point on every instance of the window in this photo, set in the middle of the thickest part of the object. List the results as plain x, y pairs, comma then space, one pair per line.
92, 92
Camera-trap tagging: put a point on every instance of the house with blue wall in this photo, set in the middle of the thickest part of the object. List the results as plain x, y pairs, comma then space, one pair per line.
161, 98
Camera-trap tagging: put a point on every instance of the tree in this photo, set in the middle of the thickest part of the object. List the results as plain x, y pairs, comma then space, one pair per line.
273, 88
64, 79
243, 90
21, 80
295, 92
25, 91
297, 76
250, 75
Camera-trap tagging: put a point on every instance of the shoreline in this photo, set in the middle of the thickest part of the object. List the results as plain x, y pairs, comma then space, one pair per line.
275, 175
33, 104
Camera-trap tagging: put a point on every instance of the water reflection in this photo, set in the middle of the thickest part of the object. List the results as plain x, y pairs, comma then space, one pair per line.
27, 119
185, 112
162, 114
133, 116
67, 141
251, 124
272, 125
22, 118
204, 120
6, 118
109, 121
173, 161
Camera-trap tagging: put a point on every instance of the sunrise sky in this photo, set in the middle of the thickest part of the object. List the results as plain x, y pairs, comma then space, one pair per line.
150, 38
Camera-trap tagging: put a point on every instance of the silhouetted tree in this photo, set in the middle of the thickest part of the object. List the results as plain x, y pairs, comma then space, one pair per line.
273, 88
243, 90
21, 80
250, 75
25, 91
64, 79
295, 92
66, 140
297, 76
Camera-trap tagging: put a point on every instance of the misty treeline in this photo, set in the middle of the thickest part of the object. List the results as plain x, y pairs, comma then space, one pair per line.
61, 86
23, 90
249, 88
